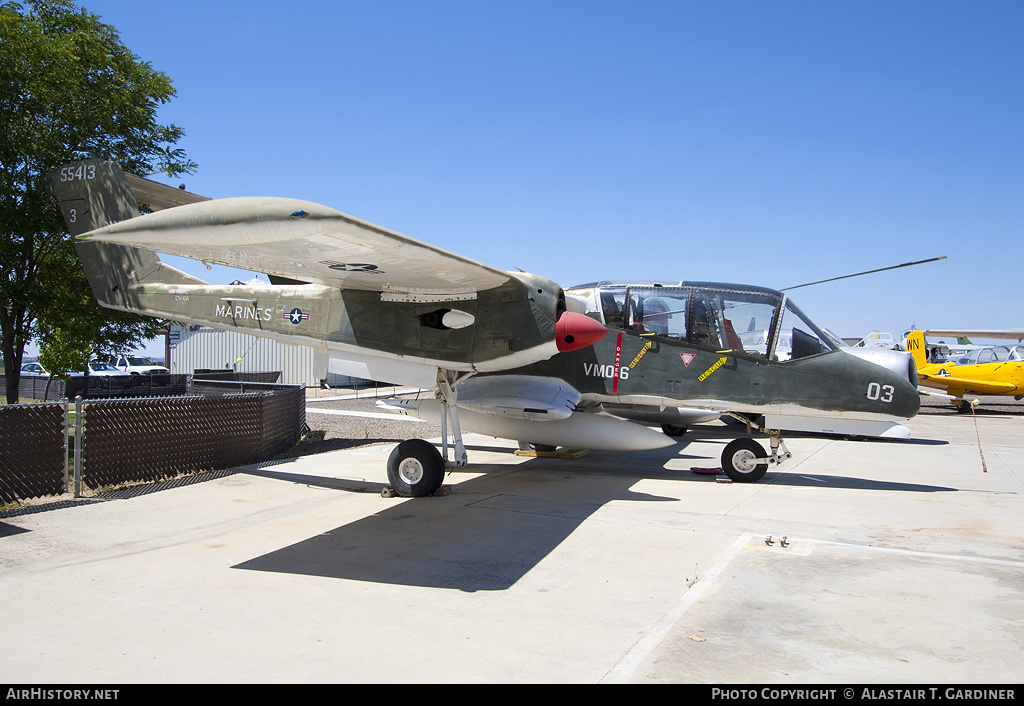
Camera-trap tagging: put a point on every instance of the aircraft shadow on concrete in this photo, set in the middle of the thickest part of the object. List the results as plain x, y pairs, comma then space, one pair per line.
493, 528
7, 530
484, 536
819, 480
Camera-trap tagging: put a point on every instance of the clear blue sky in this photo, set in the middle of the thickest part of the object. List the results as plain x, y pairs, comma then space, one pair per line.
770, 143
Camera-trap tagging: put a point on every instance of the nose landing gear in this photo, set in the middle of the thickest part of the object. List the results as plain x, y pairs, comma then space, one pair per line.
744, 460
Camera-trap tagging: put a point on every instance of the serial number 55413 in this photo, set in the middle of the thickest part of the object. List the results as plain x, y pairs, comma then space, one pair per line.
82, 171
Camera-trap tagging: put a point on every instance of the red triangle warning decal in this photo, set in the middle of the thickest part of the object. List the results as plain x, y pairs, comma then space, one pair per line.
687, 357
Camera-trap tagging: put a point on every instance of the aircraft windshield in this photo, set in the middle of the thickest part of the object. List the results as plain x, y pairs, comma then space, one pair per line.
721, 319
799, 337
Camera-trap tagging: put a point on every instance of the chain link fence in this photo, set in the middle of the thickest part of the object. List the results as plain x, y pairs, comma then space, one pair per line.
32, 451
45, 389
36, 387
145, 439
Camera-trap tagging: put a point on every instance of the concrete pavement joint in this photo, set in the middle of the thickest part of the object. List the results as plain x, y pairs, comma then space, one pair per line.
627, 666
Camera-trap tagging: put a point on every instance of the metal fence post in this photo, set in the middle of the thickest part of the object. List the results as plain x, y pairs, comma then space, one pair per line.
67, 431
79, 442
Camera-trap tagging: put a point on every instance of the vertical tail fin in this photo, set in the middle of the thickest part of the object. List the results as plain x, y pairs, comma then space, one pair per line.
916, 348
94, 193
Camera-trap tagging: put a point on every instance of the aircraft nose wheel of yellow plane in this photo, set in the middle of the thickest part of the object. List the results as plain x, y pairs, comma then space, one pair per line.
743, 460
415, 469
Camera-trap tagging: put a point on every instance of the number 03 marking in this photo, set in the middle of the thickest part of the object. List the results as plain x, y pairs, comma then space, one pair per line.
885, 393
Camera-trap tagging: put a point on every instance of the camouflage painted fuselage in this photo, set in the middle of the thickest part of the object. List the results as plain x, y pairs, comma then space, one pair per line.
627, 367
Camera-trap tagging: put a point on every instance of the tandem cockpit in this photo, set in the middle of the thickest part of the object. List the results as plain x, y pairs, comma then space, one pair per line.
742, 320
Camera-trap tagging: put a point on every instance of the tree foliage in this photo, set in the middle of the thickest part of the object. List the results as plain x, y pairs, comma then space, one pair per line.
69, 89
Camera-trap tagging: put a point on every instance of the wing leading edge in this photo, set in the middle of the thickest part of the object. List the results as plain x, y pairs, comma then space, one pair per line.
304, 241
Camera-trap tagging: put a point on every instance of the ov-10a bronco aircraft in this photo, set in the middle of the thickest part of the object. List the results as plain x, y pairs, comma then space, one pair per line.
508, 354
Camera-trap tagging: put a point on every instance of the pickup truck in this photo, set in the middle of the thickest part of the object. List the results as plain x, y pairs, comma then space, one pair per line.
138, 365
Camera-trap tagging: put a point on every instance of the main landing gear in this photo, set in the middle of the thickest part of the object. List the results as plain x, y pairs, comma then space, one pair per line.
416, 468
744, 460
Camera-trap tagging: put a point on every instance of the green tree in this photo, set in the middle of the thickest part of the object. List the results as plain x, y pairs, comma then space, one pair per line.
69, 89
59, 355
68, 344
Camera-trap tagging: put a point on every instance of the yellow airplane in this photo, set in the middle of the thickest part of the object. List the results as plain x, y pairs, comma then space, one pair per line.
990, 370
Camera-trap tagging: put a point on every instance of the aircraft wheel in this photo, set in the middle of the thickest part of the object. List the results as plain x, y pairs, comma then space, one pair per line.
673, 430
964, 407
738, 460
415, 469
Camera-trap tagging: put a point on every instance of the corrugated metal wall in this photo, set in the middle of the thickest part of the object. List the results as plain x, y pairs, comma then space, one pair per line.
195, 347
200, 347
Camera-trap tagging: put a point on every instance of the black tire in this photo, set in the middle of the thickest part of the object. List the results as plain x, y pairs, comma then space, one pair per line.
963, 407
738, 460
415, 469
673, 430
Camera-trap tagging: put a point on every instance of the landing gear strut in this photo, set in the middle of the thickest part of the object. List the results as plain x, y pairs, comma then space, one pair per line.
744, 460
416, 468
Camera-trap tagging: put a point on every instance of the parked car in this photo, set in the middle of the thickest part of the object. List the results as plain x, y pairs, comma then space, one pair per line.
101, 369
138, 365
33, 370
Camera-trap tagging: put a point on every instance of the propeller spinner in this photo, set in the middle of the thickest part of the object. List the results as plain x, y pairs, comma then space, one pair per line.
574, 331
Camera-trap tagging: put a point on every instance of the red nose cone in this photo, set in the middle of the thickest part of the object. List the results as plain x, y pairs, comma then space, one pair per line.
574, 331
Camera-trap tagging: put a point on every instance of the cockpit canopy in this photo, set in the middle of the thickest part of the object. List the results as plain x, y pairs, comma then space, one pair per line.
992, 354
751, 321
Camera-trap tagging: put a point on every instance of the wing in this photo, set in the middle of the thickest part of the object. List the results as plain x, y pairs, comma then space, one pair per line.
960, 384
303, 241
349, 288
1017, 334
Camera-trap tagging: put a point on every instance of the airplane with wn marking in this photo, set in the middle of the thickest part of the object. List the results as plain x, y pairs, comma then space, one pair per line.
985, 370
